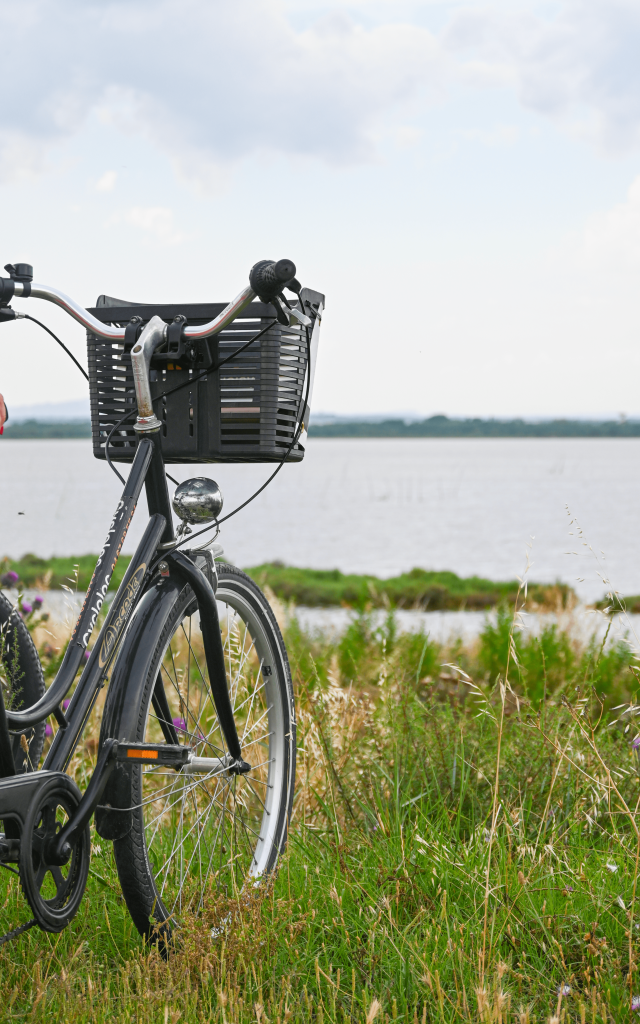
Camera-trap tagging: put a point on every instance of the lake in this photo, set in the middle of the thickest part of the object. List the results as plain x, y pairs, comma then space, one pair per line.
376, 506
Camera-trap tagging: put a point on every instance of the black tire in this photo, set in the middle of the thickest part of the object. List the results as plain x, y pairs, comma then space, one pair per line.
22, 681
206, 833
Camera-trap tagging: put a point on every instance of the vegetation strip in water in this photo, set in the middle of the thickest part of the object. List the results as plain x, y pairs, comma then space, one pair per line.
434, 426
459, 851
442, 426
37, 429
419, 589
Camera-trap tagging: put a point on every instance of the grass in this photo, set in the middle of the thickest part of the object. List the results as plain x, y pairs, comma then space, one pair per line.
464, 846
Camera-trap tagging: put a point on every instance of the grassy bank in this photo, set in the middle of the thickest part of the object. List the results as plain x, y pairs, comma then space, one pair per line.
53, 573
420, 589
464, 846
429, 591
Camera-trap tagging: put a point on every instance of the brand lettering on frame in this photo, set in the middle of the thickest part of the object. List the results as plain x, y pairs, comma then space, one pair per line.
115, 628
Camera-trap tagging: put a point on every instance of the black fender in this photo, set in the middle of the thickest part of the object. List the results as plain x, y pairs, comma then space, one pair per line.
129, 676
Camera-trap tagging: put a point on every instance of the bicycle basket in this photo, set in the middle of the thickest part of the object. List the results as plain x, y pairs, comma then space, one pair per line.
248, 410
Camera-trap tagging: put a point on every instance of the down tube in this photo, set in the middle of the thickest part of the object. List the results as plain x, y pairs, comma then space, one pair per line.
49, 703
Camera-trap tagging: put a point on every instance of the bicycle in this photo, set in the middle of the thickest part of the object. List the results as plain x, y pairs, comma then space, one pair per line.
195, 771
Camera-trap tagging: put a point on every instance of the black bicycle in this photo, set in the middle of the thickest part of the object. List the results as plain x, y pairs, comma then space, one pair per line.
196, 761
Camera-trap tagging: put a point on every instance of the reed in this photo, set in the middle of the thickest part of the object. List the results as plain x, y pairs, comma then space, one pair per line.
464, 846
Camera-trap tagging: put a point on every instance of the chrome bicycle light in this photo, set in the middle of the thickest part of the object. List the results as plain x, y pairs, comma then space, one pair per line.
198, 500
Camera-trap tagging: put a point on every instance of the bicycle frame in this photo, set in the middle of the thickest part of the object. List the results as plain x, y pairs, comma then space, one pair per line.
147, 469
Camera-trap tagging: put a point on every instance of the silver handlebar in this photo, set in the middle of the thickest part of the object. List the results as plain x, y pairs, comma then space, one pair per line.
84, 317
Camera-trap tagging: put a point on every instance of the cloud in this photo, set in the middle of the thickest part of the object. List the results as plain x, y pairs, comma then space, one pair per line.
107, 182
156, 222
209, 82
580, 68
608, 246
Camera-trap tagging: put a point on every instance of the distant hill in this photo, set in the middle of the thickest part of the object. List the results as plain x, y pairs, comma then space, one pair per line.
442, 426
35, 429
435, 426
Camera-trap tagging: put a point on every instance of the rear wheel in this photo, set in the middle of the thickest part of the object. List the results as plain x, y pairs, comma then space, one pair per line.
201, 831
22, 683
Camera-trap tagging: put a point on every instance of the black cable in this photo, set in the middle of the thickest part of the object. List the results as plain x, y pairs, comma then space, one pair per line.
301, 408
126, 416
213, 369
250, 342
106, 449
25, 316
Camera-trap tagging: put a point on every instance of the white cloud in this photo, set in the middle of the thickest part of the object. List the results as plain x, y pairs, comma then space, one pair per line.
580, 67
156, 222
107, 182
407, 135
210, 79
500, 136
21, 155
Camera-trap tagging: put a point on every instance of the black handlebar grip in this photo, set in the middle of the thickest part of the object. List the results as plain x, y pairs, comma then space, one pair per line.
7, 290
268, 278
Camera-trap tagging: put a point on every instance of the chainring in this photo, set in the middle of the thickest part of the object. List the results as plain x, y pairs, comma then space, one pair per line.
54, 892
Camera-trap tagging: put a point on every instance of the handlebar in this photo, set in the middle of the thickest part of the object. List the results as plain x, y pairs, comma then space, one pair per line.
268, 276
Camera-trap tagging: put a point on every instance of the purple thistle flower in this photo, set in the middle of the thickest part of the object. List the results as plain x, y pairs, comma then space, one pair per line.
635, 1004
27, 608
38, 601
65, 704
48, 730
636, 743
9, 579
87, 654
180, 724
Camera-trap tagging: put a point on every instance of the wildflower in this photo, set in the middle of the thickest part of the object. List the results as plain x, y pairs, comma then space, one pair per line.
27, 608
635, 1004
38, 601
87, 654
65, 704
180, 724
563, 990
9, 579
48, 730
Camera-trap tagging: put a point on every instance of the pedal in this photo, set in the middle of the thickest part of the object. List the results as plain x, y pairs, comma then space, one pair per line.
153, 753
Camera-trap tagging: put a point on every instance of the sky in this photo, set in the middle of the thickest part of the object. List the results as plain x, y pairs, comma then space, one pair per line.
462, 181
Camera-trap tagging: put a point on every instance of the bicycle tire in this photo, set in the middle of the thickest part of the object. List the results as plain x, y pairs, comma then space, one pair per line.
22, 682
196, 835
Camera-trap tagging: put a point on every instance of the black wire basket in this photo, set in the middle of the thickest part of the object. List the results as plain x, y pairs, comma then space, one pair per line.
247, 410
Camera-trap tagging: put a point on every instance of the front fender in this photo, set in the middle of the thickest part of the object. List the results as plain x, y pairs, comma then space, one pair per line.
129, 677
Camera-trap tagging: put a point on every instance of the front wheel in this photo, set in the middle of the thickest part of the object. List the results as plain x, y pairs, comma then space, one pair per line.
202, 831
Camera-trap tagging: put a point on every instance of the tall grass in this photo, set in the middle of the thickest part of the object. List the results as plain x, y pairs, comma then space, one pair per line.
464, 846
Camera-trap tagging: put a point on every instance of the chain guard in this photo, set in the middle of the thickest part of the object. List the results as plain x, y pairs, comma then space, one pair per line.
54, 892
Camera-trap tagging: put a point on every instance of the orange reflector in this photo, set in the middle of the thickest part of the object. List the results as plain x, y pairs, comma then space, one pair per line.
149, 755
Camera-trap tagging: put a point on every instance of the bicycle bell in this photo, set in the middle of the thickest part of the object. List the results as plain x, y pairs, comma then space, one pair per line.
198, 500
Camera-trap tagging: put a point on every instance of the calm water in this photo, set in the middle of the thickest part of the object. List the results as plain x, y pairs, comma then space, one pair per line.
379, 506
